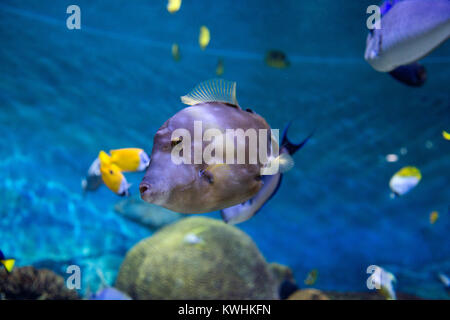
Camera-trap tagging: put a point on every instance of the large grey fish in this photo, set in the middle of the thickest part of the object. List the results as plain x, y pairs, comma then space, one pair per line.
410, 30
271, 183
201, 187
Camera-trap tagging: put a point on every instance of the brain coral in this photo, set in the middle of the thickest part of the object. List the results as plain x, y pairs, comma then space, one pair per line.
197, 258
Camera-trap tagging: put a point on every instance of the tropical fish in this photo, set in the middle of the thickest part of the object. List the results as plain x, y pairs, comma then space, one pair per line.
204, 37
93, 179
433, 217
311, 278
413, 74
185, 186
409, 31
7, 263
384, 280
173, 5
446, 135
112, 176
445, 280
405, 180
277, 59
176, 52
220, 69
392, 157
271, 183
130, 159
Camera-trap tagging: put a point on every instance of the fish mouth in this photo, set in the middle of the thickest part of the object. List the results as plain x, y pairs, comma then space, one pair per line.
148, 194
145, 189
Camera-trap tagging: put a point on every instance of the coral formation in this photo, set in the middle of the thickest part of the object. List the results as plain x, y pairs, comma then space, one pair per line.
34, 284
314, 294
197, 258
308, 294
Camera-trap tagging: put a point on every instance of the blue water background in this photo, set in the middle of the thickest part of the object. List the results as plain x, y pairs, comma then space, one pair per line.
66, 94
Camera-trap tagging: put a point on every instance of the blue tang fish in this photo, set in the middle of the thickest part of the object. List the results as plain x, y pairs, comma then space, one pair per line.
410, 30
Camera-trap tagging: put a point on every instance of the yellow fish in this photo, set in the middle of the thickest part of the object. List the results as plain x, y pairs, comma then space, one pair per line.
311, 278
220, 69
173, 5
130, 159
112, 175
433, 217
176, 52
7, 263
405, 180
204, 37
446, 135
277, 59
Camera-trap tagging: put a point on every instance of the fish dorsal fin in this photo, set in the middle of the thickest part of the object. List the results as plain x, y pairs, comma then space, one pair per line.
214, 90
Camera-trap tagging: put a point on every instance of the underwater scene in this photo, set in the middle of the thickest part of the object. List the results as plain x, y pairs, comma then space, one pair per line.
93, 205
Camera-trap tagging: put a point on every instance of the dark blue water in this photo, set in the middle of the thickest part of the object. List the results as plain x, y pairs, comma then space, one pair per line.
66, 94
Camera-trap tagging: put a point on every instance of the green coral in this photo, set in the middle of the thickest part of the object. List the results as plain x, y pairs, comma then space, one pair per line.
197, 258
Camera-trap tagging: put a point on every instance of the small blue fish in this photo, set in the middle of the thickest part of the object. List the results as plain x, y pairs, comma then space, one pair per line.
271, 183
445, 281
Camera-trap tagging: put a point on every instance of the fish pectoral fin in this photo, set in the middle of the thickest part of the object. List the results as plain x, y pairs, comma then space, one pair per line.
214, 90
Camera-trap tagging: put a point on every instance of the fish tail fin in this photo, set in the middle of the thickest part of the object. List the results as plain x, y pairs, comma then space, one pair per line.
292, 147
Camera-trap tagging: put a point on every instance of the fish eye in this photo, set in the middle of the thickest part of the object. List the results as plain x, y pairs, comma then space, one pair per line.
176, 141
111, 172
207, 175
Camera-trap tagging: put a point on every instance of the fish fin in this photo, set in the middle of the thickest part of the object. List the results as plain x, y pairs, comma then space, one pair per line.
292, 147
413, 74
8, 264
283, 162
214, 90
224, 217
104, 157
